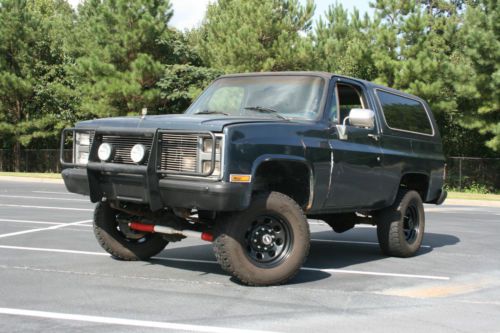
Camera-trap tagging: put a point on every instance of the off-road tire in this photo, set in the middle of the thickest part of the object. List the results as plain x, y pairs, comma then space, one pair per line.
116, 243
395, 236
232, 245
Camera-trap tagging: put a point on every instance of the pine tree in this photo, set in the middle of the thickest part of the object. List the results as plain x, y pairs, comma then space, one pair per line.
121, 47
181, 84
256, 35
481, 37
418, 50
343, 43
35, 100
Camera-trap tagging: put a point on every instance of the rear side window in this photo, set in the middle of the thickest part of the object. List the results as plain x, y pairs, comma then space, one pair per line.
404, 113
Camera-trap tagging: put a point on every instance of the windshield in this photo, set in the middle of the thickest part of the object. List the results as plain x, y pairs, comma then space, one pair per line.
262, 96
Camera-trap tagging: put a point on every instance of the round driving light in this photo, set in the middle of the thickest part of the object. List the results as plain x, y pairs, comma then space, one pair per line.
105, 151
138, 153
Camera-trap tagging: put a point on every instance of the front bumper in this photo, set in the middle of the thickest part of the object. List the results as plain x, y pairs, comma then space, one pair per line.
178, 193
146, 183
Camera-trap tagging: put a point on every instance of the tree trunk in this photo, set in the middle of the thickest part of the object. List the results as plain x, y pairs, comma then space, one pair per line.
17, 156
17, 145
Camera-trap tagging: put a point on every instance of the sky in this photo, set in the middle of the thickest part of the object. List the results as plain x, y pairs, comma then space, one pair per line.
189, 13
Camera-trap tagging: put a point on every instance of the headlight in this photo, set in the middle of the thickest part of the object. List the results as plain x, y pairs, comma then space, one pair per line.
105, 151
208, 164
138, 153
206, 156
207, 146
83, 139
82, 158
82, 148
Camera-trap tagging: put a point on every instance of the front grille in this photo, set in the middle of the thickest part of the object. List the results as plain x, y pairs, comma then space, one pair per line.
122, 146
179, 153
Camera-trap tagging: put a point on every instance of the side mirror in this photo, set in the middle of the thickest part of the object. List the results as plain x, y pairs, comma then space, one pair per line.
362, 118
358, 118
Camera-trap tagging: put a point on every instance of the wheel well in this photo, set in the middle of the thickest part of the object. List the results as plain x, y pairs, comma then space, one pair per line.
288, 177
417, 182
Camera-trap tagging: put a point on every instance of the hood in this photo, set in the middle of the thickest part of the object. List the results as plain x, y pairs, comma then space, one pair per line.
214, 123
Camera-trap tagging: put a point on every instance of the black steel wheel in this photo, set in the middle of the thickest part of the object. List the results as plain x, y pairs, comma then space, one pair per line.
411, 224
400, 228
269, 240
266, 244
119, 240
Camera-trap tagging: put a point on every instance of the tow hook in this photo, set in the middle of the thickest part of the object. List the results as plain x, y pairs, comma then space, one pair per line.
160, 229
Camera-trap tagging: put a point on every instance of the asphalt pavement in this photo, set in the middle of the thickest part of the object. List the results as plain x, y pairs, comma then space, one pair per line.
54, 277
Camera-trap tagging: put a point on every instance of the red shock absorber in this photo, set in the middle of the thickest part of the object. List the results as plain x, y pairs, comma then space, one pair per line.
142, 227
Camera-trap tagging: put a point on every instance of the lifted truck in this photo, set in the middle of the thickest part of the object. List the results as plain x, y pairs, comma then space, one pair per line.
250, 160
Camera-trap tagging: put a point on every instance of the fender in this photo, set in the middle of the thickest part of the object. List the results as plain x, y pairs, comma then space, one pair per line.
395, 191
287, 158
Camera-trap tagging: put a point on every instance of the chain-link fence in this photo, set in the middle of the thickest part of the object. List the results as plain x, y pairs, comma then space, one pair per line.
473, 173
32, 160
461, 172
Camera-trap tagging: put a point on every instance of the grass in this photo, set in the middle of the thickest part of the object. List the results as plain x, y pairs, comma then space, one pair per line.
31, 174
473, 196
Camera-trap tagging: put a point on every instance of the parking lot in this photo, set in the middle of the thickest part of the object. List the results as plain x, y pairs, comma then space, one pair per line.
54, 277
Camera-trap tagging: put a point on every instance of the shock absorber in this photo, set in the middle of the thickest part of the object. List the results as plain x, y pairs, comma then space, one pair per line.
160, 229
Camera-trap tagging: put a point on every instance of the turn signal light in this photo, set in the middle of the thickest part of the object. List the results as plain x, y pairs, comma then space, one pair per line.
240, 178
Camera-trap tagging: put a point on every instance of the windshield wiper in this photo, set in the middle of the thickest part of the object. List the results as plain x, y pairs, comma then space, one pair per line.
263, 109
212, 112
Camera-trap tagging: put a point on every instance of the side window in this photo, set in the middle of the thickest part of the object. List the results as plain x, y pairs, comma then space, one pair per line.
349, 97
404, 113
333, 108
226, 99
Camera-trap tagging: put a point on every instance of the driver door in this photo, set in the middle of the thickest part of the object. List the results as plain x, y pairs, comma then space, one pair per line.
356, 171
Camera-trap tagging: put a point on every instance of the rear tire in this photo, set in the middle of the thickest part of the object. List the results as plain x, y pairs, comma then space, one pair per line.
124, 244
266, 244
400, 228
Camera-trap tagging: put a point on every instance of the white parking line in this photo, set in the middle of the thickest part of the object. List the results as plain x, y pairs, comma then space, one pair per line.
40, 198
355, 242
42, 229
29, 221
324, 224
53, 192
315, 222
41, 222
345, 271
42, 249
327, 270
48, 207
123, 321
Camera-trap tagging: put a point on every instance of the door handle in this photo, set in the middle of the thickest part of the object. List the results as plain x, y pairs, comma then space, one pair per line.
375, 137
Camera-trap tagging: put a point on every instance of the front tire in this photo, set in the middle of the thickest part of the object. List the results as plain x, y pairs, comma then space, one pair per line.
121, 242
400, 228
266, 244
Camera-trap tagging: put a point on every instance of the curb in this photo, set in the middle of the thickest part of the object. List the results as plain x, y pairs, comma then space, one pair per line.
31, 179
466, 202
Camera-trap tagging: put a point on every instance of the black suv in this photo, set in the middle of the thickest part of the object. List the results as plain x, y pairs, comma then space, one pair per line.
251, 160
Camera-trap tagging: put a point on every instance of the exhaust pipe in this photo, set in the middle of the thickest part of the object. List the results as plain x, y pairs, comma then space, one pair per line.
160, 229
